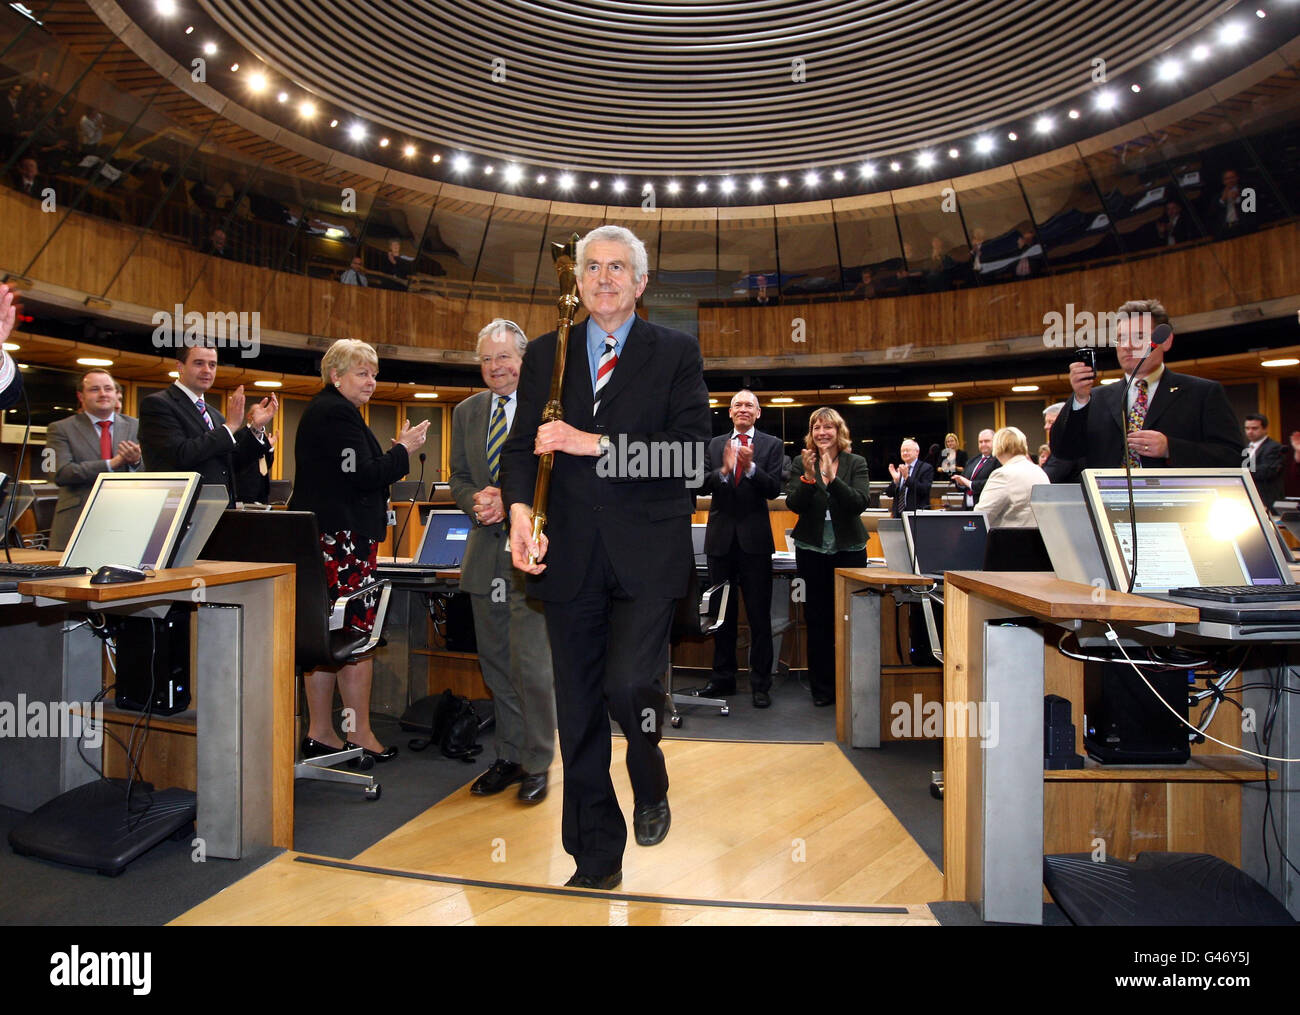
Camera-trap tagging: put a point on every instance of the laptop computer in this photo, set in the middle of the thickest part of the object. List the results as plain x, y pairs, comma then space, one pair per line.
940, 541
893, 544
442, 546
1204, 539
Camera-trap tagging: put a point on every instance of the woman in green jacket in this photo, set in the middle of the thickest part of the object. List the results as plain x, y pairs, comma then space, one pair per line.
829, 496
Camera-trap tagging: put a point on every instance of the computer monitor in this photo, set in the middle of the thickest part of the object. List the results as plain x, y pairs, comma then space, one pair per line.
445, 535
132, 518
1195, 527
697, 542
940, 541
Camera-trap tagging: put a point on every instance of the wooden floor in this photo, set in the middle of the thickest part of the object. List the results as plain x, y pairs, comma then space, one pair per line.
762, 834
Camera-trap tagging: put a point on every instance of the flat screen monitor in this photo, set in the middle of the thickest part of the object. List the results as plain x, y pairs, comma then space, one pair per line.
132, 518
942, 541
445, 535
1195, 527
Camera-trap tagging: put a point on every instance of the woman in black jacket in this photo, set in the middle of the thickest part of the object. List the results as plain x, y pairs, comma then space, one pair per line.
829, 496
342, 475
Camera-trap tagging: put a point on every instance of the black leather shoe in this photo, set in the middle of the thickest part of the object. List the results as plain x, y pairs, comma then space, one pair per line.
716, 689
497, 778
532, 788
315, 749
821, 700
650, 822
387, 754
603, 882
762, 699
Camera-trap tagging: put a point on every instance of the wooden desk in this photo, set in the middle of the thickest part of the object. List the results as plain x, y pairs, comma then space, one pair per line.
995, 786
859, 673
245, 723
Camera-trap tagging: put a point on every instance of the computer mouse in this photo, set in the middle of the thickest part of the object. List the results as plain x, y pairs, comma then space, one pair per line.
115, 574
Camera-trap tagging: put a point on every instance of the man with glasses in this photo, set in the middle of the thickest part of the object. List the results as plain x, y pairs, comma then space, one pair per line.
513, 651
1171, 420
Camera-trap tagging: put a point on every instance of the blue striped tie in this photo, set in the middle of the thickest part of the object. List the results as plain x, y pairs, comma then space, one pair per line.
496, 438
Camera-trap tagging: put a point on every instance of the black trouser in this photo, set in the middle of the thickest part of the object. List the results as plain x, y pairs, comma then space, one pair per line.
610, 653
751, 576
818, 572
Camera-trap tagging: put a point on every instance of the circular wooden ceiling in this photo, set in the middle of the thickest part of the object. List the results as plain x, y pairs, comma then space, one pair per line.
681, 86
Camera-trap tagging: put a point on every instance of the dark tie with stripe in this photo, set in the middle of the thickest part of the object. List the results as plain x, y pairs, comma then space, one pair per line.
496, 438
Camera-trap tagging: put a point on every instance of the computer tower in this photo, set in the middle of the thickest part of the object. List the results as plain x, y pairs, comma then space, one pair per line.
153, 661
1124, 724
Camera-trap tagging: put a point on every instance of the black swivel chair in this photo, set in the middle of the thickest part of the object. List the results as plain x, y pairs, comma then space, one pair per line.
1016, 549
320, 639
698, 615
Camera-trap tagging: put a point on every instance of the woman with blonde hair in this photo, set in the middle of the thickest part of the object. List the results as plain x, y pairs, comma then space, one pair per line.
342, 475
952, 460
829, 496
1005, 499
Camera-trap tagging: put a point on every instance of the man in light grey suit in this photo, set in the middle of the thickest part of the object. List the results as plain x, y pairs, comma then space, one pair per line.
97, 439
513, 649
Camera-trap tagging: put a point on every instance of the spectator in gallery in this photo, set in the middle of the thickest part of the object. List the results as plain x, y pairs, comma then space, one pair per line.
1173, 227
90, 129
763, 295
1230, 217
394, 265
217, 245
1029, 262
938, 267
27, 178
976, 248
355, 275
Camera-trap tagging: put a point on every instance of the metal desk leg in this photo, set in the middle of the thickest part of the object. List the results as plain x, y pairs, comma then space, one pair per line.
864, 669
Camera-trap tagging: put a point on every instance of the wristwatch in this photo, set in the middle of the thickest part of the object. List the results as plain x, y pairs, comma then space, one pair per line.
603, 444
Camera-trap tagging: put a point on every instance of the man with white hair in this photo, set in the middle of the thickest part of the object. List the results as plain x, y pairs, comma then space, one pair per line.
616, 554
911, 480
513, 651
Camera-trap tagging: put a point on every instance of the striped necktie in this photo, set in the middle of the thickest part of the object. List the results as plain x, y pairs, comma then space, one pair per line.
608, 360
496, 438
1137, 415
203, 411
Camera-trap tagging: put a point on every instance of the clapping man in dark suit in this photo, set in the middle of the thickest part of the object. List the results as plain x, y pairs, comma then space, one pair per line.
1171, 420
744, 473
1265, 458
616, 554
180, 432
911, 480
97, 439
978, 470
510, 629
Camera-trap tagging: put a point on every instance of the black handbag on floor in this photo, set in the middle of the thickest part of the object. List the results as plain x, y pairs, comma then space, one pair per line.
456, 725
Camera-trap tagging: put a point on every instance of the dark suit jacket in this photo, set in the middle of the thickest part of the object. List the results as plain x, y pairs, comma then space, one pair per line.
738, 511
174, 438
979, 476
845, 497
1270, 464
656, 394
251, 487
1193, 413
341, 472
75, 441
920, 477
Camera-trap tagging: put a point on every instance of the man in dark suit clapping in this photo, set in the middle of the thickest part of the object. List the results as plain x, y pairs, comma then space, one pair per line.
744, 473
616, 555
912, 480
180, 432
978, 470
1265, 458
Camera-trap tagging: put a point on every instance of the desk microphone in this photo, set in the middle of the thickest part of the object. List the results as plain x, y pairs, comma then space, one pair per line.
419, 486
1159, 337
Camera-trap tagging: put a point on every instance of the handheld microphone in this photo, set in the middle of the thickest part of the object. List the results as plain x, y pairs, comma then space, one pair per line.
1159, 337
419, 486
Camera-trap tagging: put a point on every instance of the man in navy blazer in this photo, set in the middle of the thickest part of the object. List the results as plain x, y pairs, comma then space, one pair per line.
1187, 422
978, 470
616, 554
180, 432
912, 480
744, 473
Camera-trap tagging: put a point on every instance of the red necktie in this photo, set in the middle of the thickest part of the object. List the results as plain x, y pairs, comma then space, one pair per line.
744, 443
105, 441
608, 361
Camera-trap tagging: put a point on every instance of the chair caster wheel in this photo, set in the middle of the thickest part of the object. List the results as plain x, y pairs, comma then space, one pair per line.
936, 785
373, 792
676, 722
725, 710
365, 763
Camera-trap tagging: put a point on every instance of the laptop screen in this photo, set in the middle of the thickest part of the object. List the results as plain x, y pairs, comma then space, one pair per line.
132, 518
1193, 529
445, 534
947, 540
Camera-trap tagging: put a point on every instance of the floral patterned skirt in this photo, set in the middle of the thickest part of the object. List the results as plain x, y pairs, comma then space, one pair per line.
349, 563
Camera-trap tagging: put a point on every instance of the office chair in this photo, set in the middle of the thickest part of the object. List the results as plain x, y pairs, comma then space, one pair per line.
698, 615
42, 507
320, 639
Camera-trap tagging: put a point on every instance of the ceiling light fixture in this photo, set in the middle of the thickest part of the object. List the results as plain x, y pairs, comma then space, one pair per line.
257, 82
1043, 124
1169, 71
357, 132
307, 110
1286, 362
984, 144
460, 164
925, 160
